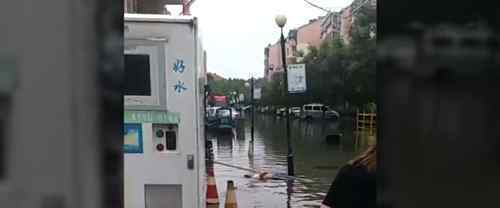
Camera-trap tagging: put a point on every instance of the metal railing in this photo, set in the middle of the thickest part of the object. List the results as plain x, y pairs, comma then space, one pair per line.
366, 122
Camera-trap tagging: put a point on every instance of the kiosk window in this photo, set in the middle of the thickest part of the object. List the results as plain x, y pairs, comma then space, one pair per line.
137, 75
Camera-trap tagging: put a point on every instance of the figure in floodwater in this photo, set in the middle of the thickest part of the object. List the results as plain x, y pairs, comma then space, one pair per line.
261, 176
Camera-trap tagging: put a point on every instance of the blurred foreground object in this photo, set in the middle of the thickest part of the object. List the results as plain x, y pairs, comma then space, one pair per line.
439, 117
55, 143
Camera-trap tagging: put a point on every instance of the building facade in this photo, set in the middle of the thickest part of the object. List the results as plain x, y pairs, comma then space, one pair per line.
296, 47
313, 34
330, 26
273, 60
346, 21
309, 35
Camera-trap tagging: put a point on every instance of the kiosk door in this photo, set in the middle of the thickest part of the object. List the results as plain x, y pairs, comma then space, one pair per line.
163, 196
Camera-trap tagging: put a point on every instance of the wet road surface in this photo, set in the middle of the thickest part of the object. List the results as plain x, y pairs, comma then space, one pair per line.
316, 160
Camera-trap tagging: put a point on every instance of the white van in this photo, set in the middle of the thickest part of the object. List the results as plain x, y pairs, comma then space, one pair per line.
313, 110
317, 110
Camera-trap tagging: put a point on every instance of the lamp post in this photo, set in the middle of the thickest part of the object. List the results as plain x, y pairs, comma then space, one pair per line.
252, 108
281, 21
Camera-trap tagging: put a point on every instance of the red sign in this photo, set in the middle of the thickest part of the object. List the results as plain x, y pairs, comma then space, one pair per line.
220, 98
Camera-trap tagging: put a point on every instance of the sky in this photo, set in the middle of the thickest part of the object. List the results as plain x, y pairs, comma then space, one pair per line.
235, 32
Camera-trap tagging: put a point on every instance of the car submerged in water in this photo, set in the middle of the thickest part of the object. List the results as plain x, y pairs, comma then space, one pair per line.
224, 116
295, 111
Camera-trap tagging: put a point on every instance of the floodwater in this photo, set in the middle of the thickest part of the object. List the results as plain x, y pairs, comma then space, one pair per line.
316, 160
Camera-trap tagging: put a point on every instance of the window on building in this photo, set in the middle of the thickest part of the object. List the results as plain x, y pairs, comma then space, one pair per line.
137, 75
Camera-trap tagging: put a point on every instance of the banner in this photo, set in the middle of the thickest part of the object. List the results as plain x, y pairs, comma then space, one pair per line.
296, 78
257, 93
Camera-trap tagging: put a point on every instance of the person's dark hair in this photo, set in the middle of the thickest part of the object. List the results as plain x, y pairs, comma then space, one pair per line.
367, 159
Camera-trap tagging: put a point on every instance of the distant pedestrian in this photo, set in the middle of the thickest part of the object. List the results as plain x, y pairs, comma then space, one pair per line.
355, 183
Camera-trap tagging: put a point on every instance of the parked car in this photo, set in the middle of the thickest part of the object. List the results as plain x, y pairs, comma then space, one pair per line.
280, 111
330, 113
295, 111
264, 109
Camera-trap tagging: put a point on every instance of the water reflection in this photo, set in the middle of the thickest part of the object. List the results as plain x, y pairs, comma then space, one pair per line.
316, 160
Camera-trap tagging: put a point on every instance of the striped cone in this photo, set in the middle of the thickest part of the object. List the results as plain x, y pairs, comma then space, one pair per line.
212, 195
230, 196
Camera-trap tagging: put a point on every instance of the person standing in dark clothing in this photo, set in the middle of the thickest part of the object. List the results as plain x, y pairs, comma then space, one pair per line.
355, 183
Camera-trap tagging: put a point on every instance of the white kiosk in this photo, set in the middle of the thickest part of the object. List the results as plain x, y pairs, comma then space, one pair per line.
164, 145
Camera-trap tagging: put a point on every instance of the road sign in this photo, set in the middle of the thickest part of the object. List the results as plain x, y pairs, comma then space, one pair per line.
296, 78
257, 93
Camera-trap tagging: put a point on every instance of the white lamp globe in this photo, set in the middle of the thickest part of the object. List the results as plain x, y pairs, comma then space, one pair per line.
280, 20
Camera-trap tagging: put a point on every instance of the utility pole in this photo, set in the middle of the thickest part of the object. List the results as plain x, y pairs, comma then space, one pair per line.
252, 106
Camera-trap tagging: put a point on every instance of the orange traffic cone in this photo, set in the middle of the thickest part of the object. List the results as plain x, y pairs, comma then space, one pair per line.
230, 196
212, 195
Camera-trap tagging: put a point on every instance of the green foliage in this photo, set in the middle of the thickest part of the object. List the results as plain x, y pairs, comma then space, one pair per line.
337, 74
227, 87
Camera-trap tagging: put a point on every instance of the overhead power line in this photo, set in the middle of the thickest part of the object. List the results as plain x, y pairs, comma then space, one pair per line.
354, 10
318, 7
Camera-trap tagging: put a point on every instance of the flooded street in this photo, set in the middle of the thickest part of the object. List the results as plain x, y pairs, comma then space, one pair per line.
316, 160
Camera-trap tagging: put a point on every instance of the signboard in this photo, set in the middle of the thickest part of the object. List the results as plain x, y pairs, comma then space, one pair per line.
296, 78
137, 116
132, 138
220, 98
257, 93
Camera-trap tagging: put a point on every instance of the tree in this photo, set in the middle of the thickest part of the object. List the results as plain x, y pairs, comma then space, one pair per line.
228, 86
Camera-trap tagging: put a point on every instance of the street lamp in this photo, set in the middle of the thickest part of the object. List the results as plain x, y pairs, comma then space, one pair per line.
251, 86
281, 21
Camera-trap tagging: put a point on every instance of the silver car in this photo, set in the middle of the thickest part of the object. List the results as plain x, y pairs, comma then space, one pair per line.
331, 114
